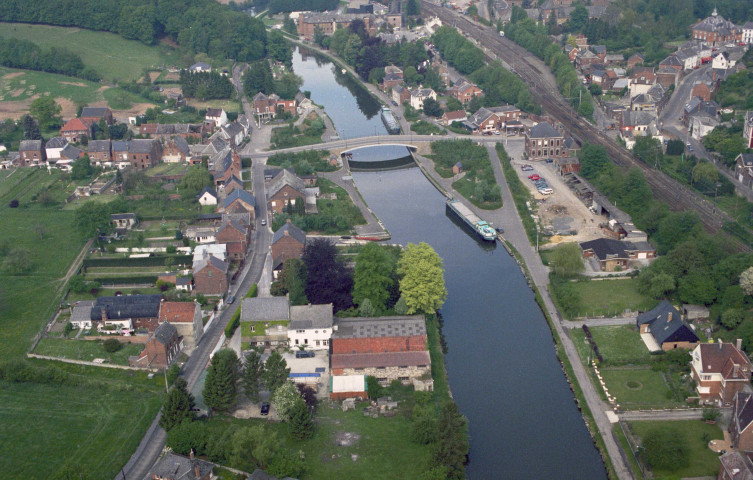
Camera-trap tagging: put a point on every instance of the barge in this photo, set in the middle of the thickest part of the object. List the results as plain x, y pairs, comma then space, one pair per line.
389, 121
483, 229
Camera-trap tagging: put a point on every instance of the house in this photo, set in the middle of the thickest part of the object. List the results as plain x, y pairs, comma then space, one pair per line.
663, 328
722, 61
614, 255
200, 67
100, 151
236, 237
329, 22
224, 165
388, 348
747, 36
419, 96
81, 313
457, 169
701, 125
126, 311
310, 325
268, 318
187, 319
672, 62
120, 152
585, 57
635, 59
263, 108
144, 153
565, 165
544, 141
54, 146
637, 123
716, 30
176, 150
161, 349
287, 242
720, 371
240, 201
735, 465
748, 130
489, 119
400, 94
455, 116
232, 183
200, 234
177, 467
689, 58
123, 221
183, 284
210, 276
208, 197
217, 116
204, 251
69, 152
393, 76
93, 115
465, 92
233, 133
643, 102
303, 103
76, 129
640, 82
285, 189
667, 76
741, 424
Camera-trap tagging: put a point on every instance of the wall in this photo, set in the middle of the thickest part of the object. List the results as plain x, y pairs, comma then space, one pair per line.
388, 374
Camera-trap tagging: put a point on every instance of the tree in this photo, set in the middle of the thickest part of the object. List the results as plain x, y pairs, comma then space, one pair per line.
453, 104
374, 276
82, 168
253, 371
197, 177
400, 307
184, 437
705, 172
578, 18
31, 128
46, 111
111, 345
412, 8
422, 278
567, 259
275, 372
92, 218
18, 261
284, 399
308, 395
328, 279
178, 405
697, 288
665, 450
746, 281
366, 309
732, 317
258, 78
432, 108
220, 389
424, 423
301, 421
661, 285
452, 441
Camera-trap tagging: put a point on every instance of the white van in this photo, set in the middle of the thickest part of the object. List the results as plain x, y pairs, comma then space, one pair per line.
546, 191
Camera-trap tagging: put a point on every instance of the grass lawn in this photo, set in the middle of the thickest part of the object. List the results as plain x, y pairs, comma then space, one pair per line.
109, 292
696, 435
119, 99
639, 388
93, 428
609, 297
166, 169
620, 345
86, 350
112, 56
17, 85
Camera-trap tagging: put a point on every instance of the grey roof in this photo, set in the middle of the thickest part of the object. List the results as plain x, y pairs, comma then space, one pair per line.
292, 231
177, 467
122, 216
736, 465
165, 333
285, 177
422, 92
222, 160
213, 261
172, 128
369, 327
544, 130
127, 306
232, 222
183, 281
181, 144
746, 159
480, 116
606, 248
634, 118
742, 413
93, 112
120, 145
30, 145
209, 190
57, 142
310, 316
214, 112
265, 309
99, 146
599, 49
200, 65
666, 324
82, 311
141, 146
71, 152
232, 129
239, 194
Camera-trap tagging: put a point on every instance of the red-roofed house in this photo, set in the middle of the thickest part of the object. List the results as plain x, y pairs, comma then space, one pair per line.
186, 317
456, 116
720, 370
75, 129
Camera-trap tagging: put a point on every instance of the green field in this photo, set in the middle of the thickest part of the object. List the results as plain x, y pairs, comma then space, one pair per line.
610, 297
696, 435
95, 429
639, 388
620, 345
112, 56
85, 350
17, 85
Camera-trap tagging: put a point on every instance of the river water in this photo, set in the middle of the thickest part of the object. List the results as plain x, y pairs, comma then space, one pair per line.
501, 363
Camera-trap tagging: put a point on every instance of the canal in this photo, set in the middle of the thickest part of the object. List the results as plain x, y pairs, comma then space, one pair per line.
501, 362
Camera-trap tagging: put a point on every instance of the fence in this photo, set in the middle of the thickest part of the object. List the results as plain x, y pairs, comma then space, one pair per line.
91, 364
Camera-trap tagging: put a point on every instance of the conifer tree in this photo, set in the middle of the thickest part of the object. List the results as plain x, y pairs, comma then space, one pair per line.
178, 405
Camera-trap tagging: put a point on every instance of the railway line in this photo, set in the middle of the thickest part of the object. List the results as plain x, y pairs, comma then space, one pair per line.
530, 70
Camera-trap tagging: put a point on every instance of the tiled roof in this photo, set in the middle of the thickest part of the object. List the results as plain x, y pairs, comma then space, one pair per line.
127, 306
177, 312
721, 358
239, 194
544, 130
213, 261
376, 360
368, 327
141, 146
666, 324
71, 152
310, 316
265, 309
75, 125
57, 142
94, 112
293, 231
285, 177
165, 333
30, 145
99, 146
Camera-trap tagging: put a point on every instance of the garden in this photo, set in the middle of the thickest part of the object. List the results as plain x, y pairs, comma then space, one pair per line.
477, 182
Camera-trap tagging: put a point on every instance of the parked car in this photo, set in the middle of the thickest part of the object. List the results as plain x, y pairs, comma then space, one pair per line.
265, 408
304, 354
690, 148
549, 160
263, 221
526, 168
230, 299
546, 191
542, 183
534, 177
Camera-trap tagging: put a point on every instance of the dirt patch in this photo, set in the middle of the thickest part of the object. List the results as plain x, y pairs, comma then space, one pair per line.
172, 76
347, 439
17, 92
75, 84
17, 109
8, 76
102, 88
69, 108
153, 76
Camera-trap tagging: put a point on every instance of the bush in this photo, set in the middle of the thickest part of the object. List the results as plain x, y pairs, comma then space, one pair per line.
373, 388
111, 345
13, 203
235, 322
253, 291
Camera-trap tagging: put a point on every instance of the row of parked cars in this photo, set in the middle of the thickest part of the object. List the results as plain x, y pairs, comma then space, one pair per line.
538, 180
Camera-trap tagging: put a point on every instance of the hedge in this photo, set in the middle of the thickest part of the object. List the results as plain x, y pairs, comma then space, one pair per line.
155, 261
123, 280
253, 291
235, 322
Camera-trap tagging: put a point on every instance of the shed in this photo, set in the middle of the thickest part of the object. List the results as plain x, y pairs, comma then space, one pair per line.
695, 312
457, 168
347, 386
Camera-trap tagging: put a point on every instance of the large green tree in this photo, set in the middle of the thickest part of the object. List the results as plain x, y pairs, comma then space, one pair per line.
197, 177
567, 259
220, 387
92, 218
422, 278
253, 371
178, 405
374, 276
301, 421
276, 371
452, 441
258, 78
47, 111
328, 280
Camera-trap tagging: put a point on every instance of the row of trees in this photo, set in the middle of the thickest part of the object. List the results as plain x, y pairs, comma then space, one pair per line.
259, 78
198, 25
205, 85
16, 53
278, 6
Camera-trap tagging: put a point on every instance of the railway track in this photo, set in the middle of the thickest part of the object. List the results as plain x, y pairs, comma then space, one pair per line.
665, 188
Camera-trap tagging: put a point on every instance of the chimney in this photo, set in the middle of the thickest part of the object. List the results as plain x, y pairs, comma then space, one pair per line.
735, 370
191, 454
287, 221
669, 317
104, 314
739, 343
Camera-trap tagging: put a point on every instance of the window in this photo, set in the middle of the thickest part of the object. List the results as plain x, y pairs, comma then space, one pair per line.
403, 379
324, 342
300, 331
316, 331
317, 343
381, 368
382, 379
296, 341
253, 328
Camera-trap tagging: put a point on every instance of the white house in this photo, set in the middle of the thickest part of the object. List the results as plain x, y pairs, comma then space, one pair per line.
722, 61
310, 325
216, 116
689, 58
81, 315
54, 146
208, 197
748, 33
217, 250
419, 95
200, 67
702, 125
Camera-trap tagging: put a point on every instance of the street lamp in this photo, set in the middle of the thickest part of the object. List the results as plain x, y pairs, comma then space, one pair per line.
716, 189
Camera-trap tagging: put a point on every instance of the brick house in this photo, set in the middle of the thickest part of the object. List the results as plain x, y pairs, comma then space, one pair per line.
99, 151
161, 349
716, 30
702, 91
30, 153
287, 242
286, 188
666, 328
240, 201
667, 76
76, 129
236, 237
565, 165
635, 59
400, 94
329, 22
144, 153
720, 371
177, 467
388, 348
393, 76
120, 152
544, 141
456, 116
210, 276
175, 150
93, 115
259, 312
741, 424
232, 183
186, 318
126, 311
465, 92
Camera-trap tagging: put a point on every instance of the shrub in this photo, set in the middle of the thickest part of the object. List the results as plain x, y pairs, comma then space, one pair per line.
373, 388
111, 345
253, 291
235, 322
13, 203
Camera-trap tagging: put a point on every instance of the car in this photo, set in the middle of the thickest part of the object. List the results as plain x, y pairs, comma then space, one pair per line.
230, 299
526, 168
263, 221
690, 148
540, 182
534, 177
394, 103
549, 160
499, 230
496, 132
265, 408
546, 191
304, 354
